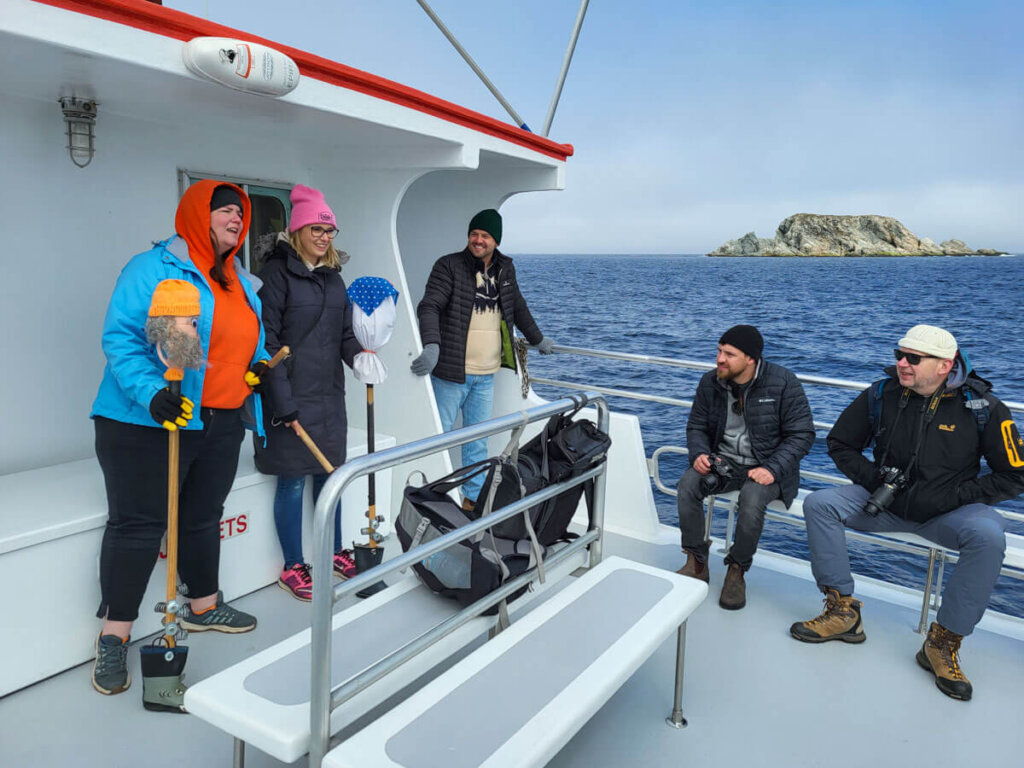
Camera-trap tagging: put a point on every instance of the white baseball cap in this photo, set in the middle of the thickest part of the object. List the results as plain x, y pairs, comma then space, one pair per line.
931, 340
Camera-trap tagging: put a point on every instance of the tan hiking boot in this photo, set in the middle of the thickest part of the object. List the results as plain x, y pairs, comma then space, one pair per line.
939, 655
839, 621
695, 569
734, 590
468, 506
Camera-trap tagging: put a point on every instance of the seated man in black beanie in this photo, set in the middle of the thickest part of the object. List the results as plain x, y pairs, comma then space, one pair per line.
749, 427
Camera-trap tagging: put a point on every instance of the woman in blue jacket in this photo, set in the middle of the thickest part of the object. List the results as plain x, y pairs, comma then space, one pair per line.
306, 307
134, 407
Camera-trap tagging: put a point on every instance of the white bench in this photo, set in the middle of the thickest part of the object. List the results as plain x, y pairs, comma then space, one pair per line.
517, 700
51, 525
1013, 561
264, 701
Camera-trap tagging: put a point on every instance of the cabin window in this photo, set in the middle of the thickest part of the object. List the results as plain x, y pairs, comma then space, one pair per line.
270, 209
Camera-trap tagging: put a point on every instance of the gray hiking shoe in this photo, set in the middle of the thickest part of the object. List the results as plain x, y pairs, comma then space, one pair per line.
221, 618
110, 670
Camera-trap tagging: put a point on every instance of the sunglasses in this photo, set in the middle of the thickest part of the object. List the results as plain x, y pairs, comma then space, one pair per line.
912, 357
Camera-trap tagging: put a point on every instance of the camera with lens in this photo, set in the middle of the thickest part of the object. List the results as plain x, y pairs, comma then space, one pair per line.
894, 482
720, 474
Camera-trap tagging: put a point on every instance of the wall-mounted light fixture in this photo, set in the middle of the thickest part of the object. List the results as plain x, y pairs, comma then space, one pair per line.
80, 119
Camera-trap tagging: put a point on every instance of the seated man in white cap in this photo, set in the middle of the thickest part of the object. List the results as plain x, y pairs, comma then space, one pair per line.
931, 421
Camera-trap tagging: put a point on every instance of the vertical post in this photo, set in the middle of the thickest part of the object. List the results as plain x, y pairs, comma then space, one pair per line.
565, 67
371, 511
597, 518
320, 632
676, 719
238, 758
923, 624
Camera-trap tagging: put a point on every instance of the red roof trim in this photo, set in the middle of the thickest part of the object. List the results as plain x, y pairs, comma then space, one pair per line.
157, 19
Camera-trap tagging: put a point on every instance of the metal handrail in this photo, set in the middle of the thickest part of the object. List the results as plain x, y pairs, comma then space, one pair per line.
699, 366
326, 595
805, 474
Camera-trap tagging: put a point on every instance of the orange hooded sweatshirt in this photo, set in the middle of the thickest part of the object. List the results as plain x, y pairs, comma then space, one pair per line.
236, 328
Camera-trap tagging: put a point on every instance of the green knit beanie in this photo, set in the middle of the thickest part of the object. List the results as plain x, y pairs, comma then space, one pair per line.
489, 221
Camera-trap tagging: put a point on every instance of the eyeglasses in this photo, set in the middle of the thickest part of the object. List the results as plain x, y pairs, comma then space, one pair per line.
912, 357
319, 232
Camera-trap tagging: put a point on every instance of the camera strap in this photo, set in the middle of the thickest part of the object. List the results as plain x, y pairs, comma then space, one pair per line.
904, 399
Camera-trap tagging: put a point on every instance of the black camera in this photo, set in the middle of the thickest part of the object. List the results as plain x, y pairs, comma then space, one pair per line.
894, 482
715, 480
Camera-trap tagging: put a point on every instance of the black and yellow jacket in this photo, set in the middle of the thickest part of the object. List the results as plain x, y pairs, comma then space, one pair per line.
947, 472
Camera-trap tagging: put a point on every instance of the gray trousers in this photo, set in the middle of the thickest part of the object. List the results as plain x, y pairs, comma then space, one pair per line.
754, 499
975, 530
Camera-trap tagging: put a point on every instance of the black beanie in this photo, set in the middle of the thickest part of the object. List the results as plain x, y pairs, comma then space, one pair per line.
489, 221
746, 338
225, 195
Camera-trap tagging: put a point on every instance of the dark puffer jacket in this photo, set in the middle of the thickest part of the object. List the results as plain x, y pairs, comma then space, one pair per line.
447, 306
946, 474
778, 420
312, 380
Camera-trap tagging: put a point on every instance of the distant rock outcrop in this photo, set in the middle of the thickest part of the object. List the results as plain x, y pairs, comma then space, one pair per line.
811, 234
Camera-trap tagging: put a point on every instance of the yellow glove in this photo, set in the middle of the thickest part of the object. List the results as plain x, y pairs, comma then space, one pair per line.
254, 376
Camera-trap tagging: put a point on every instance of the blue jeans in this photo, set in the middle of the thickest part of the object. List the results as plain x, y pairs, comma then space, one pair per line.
475, 398
288, 515
975, 530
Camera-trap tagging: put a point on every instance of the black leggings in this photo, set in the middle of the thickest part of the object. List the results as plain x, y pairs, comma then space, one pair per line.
134, 463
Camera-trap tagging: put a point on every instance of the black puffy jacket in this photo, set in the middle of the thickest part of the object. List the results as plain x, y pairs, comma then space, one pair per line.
778, 420
447, 306
310, 312
946, 472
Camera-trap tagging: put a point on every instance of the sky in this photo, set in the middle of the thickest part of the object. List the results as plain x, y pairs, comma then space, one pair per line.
697, 121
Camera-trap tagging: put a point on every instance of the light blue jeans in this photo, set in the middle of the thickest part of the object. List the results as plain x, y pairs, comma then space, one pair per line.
975, 530
475, 398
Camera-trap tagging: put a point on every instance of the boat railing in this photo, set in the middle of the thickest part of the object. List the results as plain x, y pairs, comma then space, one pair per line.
326, 594
653, 463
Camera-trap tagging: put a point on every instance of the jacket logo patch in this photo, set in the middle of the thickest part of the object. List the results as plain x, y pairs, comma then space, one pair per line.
506, 284
947, 427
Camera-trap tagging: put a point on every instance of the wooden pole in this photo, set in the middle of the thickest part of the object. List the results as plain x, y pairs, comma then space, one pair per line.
174, 376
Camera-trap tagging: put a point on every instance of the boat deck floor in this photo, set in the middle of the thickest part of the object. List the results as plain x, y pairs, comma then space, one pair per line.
753, 696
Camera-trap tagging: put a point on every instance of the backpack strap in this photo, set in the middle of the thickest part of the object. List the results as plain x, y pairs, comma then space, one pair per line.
875, 409
977, 404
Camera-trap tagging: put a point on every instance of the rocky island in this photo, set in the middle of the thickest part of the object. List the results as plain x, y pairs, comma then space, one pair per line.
811, 234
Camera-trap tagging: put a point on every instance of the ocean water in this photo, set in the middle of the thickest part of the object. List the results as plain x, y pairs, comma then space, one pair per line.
838, 318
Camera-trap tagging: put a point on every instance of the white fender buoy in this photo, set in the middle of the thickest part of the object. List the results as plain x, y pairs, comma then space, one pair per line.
249, 67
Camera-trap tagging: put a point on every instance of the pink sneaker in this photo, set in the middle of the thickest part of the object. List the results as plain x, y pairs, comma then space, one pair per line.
344, 565
297, 581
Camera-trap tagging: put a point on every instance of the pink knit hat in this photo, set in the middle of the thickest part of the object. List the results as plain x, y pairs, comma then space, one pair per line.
309, 207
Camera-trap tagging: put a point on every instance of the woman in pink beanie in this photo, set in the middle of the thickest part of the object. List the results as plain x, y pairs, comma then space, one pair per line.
306, 307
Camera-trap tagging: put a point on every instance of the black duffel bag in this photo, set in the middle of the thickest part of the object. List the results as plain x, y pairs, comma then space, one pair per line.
473, 567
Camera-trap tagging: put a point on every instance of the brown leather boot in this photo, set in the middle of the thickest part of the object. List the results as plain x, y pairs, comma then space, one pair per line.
695, 569
734, 590
468, 506
839, 621
939, 655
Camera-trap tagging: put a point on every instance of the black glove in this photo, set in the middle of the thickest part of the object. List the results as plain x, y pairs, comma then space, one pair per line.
287, 419
254, 376
169, 410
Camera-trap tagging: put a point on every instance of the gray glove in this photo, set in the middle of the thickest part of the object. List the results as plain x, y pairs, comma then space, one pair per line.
544, 346
425, 363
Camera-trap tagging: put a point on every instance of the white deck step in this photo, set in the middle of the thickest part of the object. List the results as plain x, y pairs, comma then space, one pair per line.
517, 700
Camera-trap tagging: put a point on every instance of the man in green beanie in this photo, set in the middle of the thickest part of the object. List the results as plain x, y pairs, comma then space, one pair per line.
472, 302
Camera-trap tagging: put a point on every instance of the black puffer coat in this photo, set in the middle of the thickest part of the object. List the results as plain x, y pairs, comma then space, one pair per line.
778, 419
312, 381
447, 306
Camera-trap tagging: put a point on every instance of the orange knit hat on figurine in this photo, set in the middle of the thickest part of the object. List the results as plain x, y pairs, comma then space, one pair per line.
174, 297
